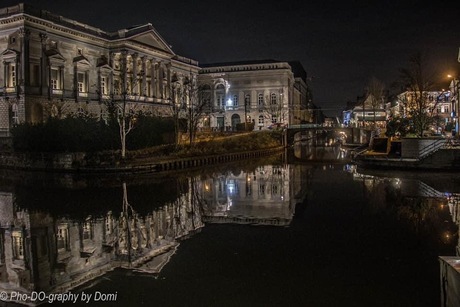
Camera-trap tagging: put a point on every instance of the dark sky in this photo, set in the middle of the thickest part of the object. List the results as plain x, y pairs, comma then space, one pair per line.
341, 44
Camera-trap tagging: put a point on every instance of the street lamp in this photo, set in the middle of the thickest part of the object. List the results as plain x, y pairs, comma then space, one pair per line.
455, 101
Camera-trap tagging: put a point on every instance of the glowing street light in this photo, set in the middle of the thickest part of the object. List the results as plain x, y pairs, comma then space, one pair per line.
455, 101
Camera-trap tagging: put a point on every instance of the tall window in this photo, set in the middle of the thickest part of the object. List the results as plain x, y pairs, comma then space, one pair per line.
220, 96
235, 100
55, 79
11, 75
260, 101
81, 80
104, 85
62, 238
18, 245
273, 98
261, 120
247, 101
87, 231
15, 114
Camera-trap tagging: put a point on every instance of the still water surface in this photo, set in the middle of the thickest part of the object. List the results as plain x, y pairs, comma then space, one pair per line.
255, 233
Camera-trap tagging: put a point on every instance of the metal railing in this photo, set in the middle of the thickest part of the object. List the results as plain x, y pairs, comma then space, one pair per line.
431, 149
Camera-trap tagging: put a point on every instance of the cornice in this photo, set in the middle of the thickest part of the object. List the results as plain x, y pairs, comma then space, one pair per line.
13, 19
246, 68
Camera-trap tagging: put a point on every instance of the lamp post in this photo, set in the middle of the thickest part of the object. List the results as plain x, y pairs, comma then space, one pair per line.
455, 101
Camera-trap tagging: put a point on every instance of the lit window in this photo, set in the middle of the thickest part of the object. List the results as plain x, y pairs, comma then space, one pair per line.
273, 99
15, 114
103, 86
261, 120
62, 238
55, 79
18, 245
260, 100
11, 75
87, 231
81, 82
235, 100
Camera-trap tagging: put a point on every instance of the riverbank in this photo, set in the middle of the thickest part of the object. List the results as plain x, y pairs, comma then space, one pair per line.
158, 159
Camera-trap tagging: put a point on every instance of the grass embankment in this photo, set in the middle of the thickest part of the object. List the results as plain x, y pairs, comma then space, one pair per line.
211, 146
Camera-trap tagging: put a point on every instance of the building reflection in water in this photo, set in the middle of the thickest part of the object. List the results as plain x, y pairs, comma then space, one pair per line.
41, 251
421, 200
265, 196
431, 209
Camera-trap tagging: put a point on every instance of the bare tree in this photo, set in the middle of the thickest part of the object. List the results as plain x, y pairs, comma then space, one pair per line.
197, 105
376, 91
418, 83
274, 109
122, 103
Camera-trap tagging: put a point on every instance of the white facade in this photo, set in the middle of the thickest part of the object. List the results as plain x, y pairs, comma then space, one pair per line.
261, 93
53, 66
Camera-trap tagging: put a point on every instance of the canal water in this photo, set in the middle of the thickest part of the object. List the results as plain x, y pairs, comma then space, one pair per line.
267, 232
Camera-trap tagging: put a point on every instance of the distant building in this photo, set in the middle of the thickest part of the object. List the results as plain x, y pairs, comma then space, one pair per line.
54, 66
263, 93
440, 105
365, 112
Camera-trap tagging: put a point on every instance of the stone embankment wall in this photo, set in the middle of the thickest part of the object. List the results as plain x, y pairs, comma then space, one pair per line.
81, 162
448, 159
412, 147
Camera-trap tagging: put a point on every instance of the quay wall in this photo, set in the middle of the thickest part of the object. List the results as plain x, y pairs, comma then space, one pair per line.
78, 162
443, 159
450, 281
412, 147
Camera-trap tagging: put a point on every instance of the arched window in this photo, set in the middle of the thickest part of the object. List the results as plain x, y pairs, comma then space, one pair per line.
260, 101
235, 100
261, 120
220, 96
273, 98
247, 100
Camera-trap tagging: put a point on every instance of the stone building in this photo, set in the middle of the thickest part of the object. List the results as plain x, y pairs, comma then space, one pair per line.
54, 66
266, 93
41, 251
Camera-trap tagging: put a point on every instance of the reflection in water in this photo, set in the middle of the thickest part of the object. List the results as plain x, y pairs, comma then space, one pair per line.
426, 209
56, 234
54, 254
317, 146
46, 248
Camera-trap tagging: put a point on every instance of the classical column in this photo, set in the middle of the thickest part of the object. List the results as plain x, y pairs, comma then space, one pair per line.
144, 77
24, 76
168, 81
134, 79
43, 88
160, 80
124, 70
153, 81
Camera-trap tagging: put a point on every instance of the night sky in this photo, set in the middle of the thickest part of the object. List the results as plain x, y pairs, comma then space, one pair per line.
341, 44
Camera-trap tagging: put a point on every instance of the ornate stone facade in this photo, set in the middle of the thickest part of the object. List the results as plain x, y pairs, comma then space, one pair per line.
54, 66
262, 92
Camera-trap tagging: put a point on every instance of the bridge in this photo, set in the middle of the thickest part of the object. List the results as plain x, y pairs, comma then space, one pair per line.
353, 135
